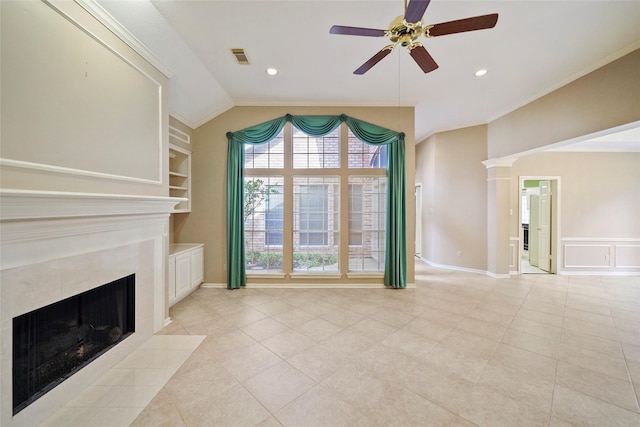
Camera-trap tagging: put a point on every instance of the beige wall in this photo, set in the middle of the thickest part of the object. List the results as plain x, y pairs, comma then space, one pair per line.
81, 111
603, 99
599, 192
599, 195
207, 221
454, 195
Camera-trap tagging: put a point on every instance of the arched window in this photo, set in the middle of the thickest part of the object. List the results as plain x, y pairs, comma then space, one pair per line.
306, 196
322, 168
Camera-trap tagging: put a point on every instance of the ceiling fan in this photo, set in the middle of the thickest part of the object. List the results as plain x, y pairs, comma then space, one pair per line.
405, 30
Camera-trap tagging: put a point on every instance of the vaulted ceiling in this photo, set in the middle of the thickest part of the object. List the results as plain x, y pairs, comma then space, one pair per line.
536, 47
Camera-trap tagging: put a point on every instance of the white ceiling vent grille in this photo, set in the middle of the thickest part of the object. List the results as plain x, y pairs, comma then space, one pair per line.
240, 55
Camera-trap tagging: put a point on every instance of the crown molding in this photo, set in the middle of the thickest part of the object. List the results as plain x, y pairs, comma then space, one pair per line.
571, 78
211, 115
125, 35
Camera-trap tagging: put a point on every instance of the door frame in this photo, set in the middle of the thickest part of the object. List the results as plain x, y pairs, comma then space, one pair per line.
417, 243
555, 183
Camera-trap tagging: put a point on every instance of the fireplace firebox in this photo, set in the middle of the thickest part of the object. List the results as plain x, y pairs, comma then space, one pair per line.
53, 342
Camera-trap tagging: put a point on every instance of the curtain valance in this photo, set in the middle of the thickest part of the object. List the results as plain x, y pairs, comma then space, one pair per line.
396, 247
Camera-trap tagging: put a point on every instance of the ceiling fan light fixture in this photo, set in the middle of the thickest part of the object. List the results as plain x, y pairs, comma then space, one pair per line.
481, 72
271, 72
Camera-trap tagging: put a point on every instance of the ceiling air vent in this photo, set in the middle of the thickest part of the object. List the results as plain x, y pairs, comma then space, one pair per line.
241, 57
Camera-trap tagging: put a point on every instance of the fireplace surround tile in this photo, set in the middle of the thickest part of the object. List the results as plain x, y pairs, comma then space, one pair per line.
31, 287
25, 298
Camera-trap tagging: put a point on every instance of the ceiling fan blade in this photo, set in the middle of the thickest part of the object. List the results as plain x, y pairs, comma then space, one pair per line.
423, 59
415, 10
461, 25
356, 31
373, 61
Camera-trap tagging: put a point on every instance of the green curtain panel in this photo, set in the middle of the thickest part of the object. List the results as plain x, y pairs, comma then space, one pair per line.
396, 242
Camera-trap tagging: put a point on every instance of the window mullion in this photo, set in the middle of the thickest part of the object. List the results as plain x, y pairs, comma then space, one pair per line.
344, 199
287, 238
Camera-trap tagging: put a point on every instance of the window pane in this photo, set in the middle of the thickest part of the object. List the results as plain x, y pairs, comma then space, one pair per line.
265, 156
263, 223
367, 222
311, 152
316, 225
363, 155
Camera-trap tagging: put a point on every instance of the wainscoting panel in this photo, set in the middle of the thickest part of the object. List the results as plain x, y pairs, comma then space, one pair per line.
627, 256
600, 256
514, 246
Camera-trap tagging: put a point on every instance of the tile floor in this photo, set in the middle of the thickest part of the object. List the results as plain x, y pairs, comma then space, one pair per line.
527, 268
461, 349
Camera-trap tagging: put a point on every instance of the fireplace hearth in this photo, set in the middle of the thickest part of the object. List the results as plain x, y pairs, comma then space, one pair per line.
53, 342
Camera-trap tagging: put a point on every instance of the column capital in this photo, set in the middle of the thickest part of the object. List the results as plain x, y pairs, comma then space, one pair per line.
499, 162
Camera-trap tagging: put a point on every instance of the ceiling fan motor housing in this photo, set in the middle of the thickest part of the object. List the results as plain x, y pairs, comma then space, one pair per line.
404, 33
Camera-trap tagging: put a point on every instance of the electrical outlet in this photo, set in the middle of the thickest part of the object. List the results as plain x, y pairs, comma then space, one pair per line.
459, 253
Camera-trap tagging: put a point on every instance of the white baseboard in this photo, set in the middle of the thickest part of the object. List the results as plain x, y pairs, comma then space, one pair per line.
464, 269
213, 285
598, 273
498, 276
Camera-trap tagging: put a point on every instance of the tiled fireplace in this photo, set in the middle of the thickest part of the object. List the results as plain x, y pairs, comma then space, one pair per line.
58, 245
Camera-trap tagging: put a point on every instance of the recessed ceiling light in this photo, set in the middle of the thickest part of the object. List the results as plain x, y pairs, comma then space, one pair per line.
272, 72
481, 73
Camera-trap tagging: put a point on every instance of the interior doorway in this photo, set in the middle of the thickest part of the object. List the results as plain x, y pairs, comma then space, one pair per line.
539, 224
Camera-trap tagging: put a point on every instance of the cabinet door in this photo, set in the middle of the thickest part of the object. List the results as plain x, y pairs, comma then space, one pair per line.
183, 273
197, 266
172, 279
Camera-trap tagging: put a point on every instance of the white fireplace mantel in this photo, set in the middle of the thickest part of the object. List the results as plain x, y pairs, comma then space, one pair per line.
51, 218
28, 204
57, 244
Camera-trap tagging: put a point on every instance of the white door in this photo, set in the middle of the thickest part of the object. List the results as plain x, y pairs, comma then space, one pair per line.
418, 239
544, 227
534, 224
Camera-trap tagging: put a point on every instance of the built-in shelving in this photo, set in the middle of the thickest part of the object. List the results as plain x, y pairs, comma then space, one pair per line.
180, 176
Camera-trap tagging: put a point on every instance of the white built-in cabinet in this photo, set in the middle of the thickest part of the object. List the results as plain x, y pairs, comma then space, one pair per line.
186, 269
186, 260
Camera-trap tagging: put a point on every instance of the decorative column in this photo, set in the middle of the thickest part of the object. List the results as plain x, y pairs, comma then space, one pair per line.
498, 216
